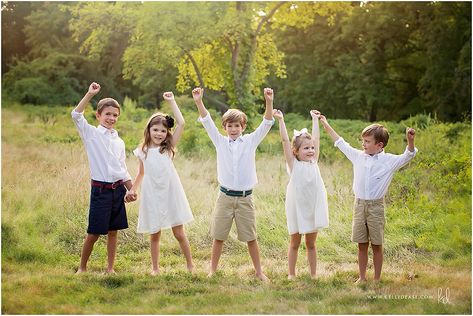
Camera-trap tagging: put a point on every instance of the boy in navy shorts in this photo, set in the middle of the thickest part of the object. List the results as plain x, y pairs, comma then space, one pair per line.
110, 178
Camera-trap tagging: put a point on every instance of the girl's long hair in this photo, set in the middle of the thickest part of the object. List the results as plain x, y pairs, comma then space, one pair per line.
166, 145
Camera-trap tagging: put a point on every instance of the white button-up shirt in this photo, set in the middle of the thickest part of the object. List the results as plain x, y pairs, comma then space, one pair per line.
373, 174
236, 166
105, 150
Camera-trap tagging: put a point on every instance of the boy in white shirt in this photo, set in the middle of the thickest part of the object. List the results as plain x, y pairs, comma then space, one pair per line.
110, 177
236, 170
373, 170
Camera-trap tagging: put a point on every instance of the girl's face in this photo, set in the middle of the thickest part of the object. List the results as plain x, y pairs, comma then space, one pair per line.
307, 150
158, 133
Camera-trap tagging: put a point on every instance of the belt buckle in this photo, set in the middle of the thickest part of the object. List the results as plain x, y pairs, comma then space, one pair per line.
115, 185
243, 194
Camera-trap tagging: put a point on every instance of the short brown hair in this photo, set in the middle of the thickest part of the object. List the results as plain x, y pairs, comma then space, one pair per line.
378, 131
234, 115
107, 102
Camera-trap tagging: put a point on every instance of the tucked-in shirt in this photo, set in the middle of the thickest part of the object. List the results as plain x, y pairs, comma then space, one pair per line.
236, 166
105, 150
373, 174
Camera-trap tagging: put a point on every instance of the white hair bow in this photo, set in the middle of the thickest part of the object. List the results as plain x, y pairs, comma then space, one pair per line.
299, 133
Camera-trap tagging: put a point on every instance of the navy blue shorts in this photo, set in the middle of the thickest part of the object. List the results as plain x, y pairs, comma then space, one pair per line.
107, 210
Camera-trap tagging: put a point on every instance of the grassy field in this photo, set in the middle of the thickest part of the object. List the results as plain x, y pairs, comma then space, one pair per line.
45, 195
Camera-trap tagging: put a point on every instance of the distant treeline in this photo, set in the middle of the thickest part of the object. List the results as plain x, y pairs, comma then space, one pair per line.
352, 60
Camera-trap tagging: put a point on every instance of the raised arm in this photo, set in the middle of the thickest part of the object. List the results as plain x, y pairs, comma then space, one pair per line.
331, 132
197, 94
410, 135
180, 122
94, 88
316, 132
286, 142
268, 97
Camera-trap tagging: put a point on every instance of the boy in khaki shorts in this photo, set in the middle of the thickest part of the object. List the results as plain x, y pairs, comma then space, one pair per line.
236, 170
373, 171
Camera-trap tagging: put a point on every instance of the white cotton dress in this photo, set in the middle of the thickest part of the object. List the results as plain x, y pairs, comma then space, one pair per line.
163, 202
306, 199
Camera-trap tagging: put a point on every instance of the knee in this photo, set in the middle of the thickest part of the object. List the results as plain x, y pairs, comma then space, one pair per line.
310, 246
180, 236
294, 245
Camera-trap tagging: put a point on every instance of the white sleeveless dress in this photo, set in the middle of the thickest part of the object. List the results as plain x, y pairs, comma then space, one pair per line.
163, 202
306, 199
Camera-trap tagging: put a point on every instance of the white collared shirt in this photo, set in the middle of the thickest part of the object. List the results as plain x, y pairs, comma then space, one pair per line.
373, 174
105, 150
236, 166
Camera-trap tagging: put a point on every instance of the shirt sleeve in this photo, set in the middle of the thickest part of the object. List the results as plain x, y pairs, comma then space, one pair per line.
350, 152
211, 129
85, 129
261, 131
138, 152
401, 160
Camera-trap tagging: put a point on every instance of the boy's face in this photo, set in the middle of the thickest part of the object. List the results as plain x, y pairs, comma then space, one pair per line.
234, 129
307, 150
370, 146
108, 117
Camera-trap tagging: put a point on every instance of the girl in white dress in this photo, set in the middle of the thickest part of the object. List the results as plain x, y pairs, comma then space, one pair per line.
163, 203
306, 197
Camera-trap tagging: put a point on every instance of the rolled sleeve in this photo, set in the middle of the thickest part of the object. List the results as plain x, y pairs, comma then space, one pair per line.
260, 132
85, 129
211, 129
350, 152
404, 158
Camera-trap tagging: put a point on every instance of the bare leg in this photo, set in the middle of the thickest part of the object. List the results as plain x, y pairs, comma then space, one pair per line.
292, 254
217, 248
154, 247
89, 242
254, 254
181, 237
311, 253
377, 260
362, 260
111, 249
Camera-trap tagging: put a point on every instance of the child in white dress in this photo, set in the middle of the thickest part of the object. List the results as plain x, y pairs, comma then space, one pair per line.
306, 197
163, 203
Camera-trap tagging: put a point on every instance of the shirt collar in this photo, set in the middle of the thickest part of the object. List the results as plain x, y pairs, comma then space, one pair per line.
239, 139
112, 132
375, 156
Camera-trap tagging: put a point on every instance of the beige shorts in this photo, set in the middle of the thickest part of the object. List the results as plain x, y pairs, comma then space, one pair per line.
368, 221
227, 208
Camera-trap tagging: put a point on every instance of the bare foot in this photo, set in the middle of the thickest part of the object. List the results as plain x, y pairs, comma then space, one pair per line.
291, 277
154, 272
313, 277
262, 277
80, 271
110, 271
190, 269
360, 281
211, 274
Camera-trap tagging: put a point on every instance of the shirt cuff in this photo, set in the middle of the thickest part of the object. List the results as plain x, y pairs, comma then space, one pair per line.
76, 114
268, 122
338, 141
205, 118
411, 153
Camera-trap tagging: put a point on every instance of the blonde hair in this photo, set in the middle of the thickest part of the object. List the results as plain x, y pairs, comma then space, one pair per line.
166, 145
297, 142
234, 115
378, 131
107, 102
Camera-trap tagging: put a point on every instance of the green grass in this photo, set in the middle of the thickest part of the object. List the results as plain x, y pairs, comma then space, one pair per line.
44, 216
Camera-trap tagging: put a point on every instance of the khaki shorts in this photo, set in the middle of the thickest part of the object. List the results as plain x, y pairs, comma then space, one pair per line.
368, 221
227, 208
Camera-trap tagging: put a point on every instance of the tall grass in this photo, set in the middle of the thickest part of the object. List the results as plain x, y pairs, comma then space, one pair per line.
45, 188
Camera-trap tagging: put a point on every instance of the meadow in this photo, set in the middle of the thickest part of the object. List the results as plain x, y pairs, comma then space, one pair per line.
45, 196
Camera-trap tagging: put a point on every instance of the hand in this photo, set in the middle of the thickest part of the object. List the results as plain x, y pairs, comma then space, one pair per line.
168, 96
131, 196
315, 114
268, 94
410, 134
323, 119
197, 94
94, 88
278, 114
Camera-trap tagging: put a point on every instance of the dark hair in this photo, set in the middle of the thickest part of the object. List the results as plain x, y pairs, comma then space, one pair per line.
378, 131
107, 102
166, 145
